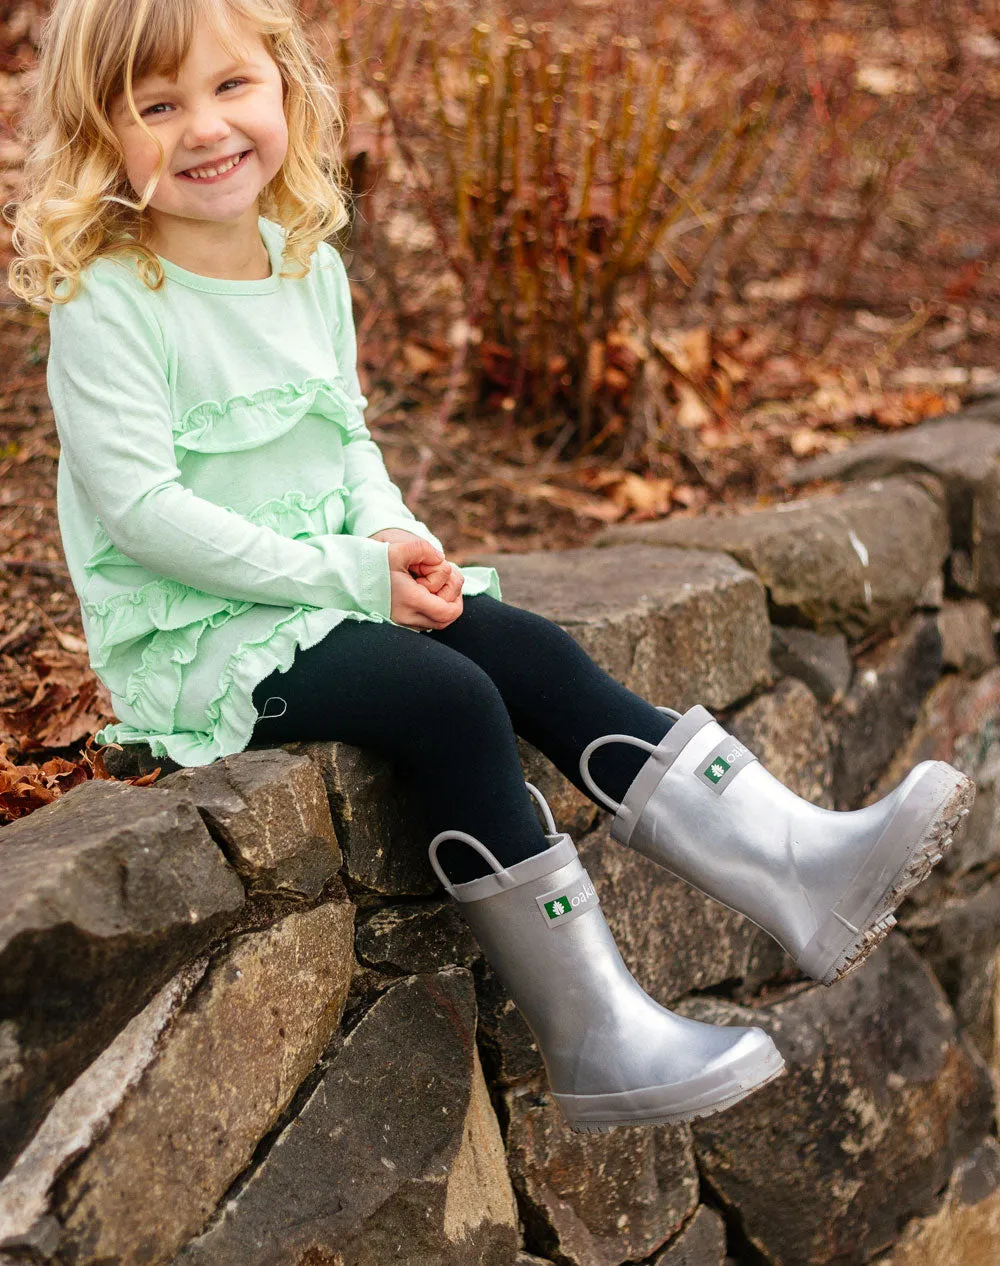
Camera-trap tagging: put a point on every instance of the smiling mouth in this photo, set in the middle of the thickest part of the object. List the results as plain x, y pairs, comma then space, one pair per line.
228, 165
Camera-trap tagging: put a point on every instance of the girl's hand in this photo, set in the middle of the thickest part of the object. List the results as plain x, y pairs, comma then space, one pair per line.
444, 579
413, 604
400, 535
441, 578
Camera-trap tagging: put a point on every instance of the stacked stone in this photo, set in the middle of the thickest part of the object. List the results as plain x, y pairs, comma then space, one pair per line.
240, 1025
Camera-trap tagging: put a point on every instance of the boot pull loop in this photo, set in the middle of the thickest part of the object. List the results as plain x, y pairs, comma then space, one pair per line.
550, 821
611, 738
592, 747
501, 873
499, 870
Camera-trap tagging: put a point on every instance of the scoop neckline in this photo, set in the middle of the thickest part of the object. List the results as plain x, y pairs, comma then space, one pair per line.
273, 242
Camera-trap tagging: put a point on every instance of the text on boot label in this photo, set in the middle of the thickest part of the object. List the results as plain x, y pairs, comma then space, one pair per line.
723, 763
566, 903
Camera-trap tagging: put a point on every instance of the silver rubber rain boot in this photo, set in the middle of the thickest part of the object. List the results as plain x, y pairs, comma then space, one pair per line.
823, 884
613, 1056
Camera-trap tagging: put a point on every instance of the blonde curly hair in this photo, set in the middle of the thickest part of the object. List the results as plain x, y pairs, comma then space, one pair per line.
75, 205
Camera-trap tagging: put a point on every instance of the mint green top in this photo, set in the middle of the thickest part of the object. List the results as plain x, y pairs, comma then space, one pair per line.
217, 488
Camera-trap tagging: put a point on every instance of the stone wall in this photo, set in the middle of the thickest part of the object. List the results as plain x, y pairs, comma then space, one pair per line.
241, 1026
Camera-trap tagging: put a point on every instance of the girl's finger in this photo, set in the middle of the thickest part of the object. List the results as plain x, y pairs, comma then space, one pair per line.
439, 610
431, 584
433, 576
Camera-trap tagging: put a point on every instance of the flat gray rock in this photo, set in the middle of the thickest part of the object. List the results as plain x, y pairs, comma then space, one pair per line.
106, 892
854, 561
821, 660
880, 1100
878, 712
958, 447
397, 1145
221, 1076
270, 814
701, 1243
597, 1199
962, 451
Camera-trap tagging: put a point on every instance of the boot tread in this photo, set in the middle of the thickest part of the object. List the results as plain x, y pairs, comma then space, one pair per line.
924, 856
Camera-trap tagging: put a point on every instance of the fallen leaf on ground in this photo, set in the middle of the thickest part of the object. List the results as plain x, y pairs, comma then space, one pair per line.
642, 498
68, 704
692, 412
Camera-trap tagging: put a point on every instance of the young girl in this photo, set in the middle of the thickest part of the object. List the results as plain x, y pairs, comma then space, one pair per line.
247, 571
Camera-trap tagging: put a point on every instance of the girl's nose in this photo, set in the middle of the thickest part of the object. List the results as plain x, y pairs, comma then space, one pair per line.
206, 128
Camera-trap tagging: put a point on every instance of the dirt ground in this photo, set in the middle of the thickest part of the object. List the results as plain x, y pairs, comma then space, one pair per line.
916, 334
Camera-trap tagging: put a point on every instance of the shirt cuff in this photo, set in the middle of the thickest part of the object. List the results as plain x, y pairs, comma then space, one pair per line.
377, 581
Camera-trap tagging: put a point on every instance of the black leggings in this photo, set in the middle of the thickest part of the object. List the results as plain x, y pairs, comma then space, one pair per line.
444, 706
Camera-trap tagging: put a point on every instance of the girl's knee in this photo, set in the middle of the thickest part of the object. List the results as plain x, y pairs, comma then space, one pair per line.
457, 693
539, 632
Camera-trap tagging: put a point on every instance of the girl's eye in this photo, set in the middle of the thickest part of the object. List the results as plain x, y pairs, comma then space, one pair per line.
150, 109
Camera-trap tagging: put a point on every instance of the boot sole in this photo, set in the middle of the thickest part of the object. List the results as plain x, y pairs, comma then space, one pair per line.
669, 1105
858, 924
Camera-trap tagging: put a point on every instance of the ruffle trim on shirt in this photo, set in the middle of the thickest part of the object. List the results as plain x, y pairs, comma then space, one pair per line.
244, 422
160, 605
230, 715
154, 688
293, 514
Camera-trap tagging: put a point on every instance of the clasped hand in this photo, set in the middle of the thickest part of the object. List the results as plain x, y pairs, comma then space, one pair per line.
426, 588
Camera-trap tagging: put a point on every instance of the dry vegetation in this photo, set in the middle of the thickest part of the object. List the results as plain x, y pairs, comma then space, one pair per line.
610, 261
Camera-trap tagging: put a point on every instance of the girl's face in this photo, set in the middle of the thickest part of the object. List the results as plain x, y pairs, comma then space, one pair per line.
216, 111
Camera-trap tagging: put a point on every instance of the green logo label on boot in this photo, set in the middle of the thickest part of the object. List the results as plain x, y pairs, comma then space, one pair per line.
723, 764
568, 903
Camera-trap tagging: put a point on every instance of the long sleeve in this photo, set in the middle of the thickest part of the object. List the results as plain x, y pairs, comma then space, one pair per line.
107, 380
374, 501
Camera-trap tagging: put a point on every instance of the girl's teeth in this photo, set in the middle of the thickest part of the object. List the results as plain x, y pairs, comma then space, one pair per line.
197, 173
